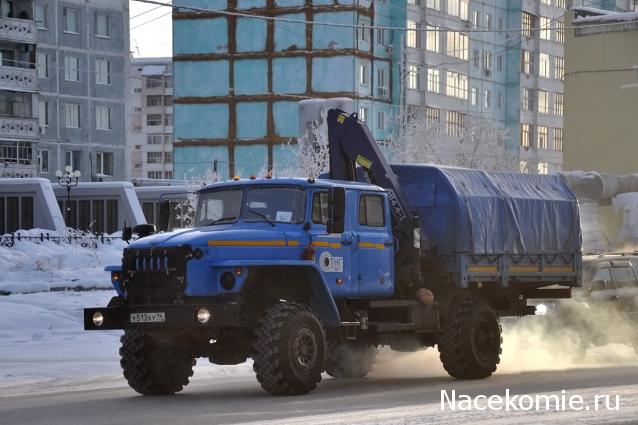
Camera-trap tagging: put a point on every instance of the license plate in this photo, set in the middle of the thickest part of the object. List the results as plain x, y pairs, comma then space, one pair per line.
148, 317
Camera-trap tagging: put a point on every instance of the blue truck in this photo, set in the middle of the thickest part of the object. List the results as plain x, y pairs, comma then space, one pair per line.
307, 276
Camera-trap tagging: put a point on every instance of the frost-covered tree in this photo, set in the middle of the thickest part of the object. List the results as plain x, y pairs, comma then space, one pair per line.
470, 142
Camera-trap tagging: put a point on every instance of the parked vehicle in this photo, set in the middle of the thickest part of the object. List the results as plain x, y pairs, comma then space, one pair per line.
605, 311
307, 276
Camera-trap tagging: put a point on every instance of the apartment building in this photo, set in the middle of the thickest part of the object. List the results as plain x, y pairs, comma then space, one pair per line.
238, 80
18, 90
82, 57
149, 132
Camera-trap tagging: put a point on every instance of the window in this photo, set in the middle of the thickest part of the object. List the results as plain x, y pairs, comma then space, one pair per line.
102, 27
543, 167
168, 99
43, 113
414, 77
154, 82
527, 99
363, 114
71, 115
154, 174
43, 161
153, 119
433, 80
527, 62
102, 117
458, 8
543, 65
487, 95
542, 137
476, 18
71, 68
474, 96
456, 85
412, 37
371, 211
457, 45
559, 68
500, 23
528, 22
154, 100
559, 34
455, 123
434, 4
104, 163
363, 75
488, 21
381, 83
102, 71
40, 17
168, 157
320, 207
364, 30
487, 60
558, 139
559, 104
168, 119
42, 64
499, 63
560, 3
432, 35
168, 175
154, 139
71, 20
476, 57
543, 102
381, 120
154, 157
432, 117
73, 158
526, 135
382, 36
499, 100
545, 32
280, 205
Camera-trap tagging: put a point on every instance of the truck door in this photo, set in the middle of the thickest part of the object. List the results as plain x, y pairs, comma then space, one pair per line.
333, 252
375, 246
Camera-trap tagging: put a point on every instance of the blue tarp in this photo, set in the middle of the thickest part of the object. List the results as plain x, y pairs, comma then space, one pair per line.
478, 212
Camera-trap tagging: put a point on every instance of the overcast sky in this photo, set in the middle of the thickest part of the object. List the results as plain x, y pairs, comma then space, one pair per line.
151, 30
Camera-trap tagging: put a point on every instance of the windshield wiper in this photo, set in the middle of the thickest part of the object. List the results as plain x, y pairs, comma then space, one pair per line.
264, 216
219, 220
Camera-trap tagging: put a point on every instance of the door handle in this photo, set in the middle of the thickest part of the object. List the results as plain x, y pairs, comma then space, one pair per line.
346, 242
388, 243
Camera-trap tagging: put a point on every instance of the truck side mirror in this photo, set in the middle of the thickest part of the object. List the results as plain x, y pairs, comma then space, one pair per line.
164, 215
336, 210
127, 233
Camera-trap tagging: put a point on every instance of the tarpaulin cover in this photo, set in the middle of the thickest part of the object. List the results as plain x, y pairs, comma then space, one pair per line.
478, 212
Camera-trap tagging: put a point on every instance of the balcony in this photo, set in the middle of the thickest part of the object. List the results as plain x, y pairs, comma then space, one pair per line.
18, 30
18, 79
19, 128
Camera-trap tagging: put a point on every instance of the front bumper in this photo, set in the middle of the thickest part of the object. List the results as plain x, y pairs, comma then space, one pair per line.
181, 316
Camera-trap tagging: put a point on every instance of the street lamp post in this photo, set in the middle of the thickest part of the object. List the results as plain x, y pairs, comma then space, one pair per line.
68, 179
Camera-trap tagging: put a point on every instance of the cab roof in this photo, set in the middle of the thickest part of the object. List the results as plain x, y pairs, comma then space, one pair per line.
292, 181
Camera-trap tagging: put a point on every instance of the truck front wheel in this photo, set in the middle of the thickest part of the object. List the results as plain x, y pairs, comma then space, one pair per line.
470, 342
351, 360
289, 349
151, 368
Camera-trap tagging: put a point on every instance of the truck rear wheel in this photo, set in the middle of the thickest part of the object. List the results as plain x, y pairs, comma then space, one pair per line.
351, 360
470, 342
289, 349
152, 369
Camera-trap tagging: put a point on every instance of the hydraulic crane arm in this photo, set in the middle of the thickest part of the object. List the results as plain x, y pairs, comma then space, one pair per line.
350, 144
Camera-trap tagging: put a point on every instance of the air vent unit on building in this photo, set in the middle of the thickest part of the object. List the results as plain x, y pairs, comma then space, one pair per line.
382, 91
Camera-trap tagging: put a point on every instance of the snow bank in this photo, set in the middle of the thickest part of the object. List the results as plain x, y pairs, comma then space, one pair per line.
41, 266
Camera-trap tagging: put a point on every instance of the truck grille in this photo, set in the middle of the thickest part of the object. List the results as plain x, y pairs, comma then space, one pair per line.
155, 274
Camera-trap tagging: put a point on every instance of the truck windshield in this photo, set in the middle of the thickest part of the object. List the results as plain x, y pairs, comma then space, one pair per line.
274, 205
218, 207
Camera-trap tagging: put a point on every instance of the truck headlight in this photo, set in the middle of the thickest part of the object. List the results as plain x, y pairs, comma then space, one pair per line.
541, 310
203, 315
98, 318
